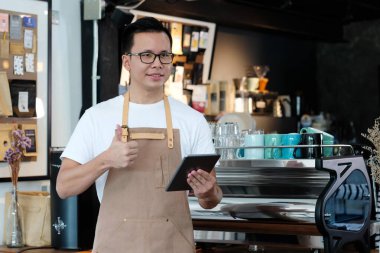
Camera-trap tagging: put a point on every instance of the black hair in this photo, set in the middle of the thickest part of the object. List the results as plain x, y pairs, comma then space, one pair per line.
145, 24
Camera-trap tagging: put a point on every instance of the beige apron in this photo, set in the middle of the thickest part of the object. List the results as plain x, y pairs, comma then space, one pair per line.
137, 215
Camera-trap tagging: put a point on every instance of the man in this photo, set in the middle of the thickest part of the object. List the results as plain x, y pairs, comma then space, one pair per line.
133, 164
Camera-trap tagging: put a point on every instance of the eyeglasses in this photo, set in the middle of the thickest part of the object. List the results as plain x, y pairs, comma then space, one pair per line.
148, 58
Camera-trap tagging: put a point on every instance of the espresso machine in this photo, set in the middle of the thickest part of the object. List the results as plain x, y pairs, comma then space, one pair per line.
303, 205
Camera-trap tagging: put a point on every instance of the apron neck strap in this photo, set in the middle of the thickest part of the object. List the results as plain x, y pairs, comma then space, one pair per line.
169, 125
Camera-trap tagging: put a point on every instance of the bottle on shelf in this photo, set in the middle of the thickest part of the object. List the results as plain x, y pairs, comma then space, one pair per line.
194, 46
186, 39
203, 38
213, 98
176, 32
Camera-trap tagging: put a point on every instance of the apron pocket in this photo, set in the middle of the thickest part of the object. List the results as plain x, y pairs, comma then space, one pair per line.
162, 173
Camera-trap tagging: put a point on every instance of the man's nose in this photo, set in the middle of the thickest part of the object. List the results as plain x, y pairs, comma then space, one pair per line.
156, 61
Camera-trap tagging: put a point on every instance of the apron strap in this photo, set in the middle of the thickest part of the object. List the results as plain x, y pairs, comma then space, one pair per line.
124, 126
169, 125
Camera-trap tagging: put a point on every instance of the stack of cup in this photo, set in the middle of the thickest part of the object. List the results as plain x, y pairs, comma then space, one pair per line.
327, 139
313, 148
291, 139
227, 135
271, 140
252, 138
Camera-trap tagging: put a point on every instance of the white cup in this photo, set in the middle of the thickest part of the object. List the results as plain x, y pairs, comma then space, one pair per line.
254, 139
253, 83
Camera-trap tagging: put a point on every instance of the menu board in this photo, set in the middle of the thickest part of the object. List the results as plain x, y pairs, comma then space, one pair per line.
18, 45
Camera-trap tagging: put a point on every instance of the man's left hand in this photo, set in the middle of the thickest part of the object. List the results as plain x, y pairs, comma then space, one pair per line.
205, 187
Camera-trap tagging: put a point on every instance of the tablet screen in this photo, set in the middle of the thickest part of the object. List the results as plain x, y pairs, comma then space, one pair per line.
205, 162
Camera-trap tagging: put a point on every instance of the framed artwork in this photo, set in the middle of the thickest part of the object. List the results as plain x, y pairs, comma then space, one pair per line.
25, 30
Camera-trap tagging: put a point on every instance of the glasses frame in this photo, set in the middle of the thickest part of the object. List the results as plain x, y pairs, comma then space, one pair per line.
155, 56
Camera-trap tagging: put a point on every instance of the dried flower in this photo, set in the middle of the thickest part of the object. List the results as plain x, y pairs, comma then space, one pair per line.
374, 160
16, 152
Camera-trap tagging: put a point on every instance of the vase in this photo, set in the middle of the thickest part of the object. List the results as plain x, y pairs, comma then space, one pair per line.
14, 238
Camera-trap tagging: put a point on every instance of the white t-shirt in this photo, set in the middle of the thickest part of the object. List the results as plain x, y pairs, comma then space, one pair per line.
96, 129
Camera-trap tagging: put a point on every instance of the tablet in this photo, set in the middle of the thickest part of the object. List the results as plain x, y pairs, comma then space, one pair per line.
205, 162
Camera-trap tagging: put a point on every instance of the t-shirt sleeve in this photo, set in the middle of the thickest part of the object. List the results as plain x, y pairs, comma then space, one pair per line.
203, 140
79, 147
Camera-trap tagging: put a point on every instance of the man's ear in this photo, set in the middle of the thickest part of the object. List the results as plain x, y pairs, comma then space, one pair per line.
125, 59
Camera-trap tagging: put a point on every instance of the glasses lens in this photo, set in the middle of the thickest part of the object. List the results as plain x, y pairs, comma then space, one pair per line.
147, 57
166, 58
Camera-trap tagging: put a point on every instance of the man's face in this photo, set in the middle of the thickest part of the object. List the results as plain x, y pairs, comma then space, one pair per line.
153, 75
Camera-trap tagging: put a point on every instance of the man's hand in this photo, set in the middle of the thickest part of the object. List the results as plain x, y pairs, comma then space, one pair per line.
121, 154
205, 188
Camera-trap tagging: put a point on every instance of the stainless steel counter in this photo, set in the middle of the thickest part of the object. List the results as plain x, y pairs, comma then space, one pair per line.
267, 178
264, 198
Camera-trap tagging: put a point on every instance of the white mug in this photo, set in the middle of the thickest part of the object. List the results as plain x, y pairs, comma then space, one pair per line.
255, 139
253, 83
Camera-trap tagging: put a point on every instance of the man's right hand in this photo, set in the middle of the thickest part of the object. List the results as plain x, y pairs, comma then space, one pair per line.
121, 154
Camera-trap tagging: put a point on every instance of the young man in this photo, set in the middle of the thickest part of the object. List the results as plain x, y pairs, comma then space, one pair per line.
131, 145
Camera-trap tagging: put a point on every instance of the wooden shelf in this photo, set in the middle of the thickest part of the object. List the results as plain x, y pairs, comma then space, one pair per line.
17, 120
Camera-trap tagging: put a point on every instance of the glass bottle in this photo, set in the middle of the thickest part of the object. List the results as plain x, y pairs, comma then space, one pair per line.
14, 238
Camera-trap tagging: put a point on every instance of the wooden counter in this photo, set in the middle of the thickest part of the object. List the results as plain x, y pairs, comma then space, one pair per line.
257, 226
50, 250
260, 227
4, 249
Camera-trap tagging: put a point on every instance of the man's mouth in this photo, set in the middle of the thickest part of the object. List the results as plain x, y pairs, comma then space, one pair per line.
155, 75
